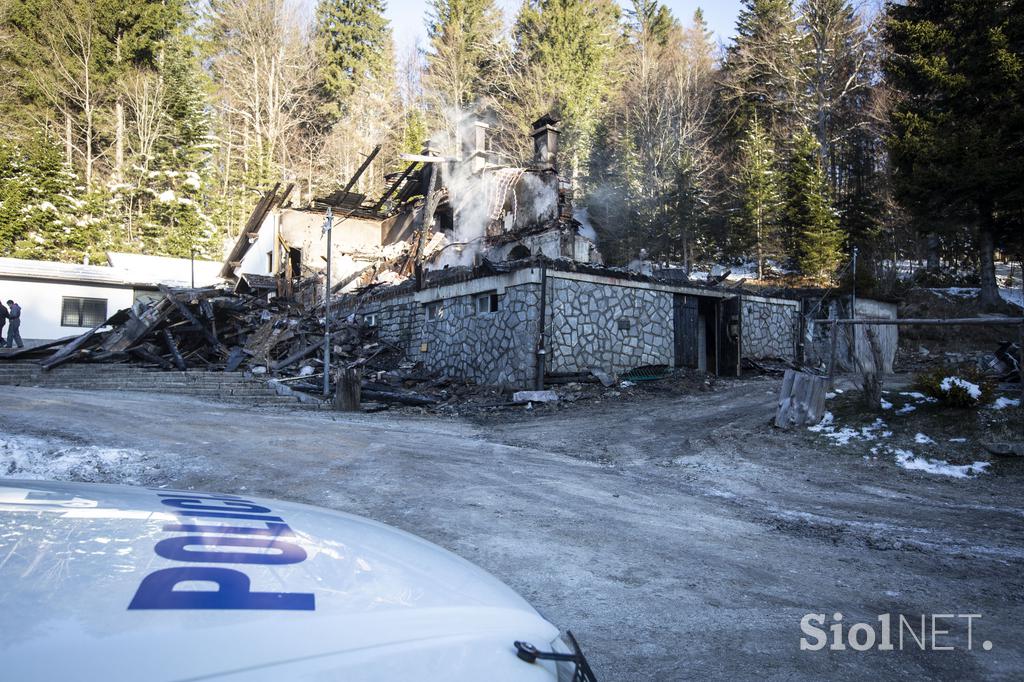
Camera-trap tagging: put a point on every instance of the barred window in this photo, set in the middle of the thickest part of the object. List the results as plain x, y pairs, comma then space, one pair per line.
82, 312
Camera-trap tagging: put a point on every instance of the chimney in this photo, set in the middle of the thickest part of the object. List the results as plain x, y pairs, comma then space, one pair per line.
474, 141
545, 142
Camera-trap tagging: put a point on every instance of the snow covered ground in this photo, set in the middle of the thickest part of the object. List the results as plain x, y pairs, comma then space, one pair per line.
55, 458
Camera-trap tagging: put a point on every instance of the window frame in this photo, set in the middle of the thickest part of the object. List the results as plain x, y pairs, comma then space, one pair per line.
490, 300
83, 322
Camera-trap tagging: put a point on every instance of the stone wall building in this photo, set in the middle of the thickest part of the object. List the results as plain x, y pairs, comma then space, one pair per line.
487, 328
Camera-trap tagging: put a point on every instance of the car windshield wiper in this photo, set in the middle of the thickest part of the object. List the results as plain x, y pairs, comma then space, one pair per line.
583, 672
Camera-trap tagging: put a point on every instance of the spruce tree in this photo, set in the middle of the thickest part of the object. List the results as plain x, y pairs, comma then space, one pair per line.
574, 48
809, 219
465, 37
956, 124
763, 72
353, 43
755, 221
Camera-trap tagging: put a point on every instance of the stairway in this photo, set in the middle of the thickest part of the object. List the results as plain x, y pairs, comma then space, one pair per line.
230, 387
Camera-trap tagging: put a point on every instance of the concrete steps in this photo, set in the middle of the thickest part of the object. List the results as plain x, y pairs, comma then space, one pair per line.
231, 387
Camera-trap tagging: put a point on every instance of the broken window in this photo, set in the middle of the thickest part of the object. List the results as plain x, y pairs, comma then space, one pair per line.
82, 312
487, 303
435, 311
370, 319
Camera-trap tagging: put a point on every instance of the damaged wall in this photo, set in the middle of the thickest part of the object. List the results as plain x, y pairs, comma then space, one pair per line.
445, 329
591, 321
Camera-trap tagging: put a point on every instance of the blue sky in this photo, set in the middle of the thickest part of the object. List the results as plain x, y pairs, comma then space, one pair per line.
407, 17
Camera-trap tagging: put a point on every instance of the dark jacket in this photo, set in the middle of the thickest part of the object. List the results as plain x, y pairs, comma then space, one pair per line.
4, 314
15, 312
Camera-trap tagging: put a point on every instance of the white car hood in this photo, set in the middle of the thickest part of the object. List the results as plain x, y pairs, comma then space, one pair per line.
357, 600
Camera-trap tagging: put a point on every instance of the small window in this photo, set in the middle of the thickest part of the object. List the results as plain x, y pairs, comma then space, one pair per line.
625, 324
435, 311
370, 319
487, 303
82, 312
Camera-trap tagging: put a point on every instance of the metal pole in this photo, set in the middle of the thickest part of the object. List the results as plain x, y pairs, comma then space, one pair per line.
193, 256
328, 223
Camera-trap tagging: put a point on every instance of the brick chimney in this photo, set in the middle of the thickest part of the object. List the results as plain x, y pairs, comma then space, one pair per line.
545, 142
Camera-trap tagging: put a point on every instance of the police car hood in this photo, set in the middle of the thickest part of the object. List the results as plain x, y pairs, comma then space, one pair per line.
117, 583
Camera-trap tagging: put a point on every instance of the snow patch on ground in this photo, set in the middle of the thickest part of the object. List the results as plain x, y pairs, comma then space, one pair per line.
908, 460
922, 439
973, 390
886, 405
1002, 403
846, 434
37, 458
906, 409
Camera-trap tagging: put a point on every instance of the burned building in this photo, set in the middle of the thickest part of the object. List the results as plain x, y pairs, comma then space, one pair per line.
517, 323
441, 211
479, 271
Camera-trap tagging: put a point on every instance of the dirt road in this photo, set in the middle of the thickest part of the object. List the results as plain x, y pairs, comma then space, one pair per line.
679, 538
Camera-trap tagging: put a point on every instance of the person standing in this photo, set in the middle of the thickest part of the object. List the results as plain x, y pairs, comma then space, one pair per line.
4, 314
14, 325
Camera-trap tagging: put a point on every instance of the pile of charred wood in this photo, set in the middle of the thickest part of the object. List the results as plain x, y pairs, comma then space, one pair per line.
213, 329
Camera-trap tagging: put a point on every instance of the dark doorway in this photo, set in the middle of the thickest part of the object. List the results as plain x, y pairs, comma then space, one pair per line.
730, 325
684, 321
707, 331
295, 262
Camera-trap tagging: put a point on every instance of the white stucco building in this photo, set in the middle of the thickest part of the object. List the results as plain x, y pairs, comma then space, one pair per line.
64, 299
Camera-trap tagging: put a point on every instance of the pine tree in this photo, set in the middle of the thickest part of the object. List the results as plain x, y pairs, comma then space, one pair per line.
808, 216
955, 145
574, 48
465, 45
353, 43
756, 227
763, 73
41, 205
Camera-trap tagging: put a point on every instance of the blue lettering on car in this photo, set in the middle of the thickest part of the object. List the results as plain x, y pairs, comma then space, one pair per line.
234, 588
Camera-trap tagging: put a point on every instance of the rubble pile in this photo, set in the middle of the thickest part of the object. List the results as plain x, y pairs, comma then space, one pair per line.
215, 330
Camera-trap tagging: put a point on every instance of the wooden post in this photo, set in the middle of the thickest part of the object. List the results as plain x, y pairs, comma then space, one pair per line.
347, 393
832, 356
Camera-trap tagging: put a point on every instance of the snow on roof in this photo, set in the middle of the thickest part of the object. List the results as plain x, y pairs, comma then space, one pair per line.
165, 270
128, 272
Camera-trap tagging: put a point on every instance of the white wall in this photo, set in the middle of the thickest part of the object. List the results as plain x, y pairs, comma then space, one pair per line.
41, 305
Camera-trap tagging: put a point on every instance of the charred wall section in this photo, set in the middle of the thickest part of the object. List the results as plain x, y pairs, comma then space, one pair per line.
483, 335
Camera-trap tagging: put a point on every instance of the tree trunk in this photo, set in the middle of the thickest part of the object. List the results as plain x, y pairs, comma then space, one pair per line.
986, 262
119, 140
69, 148
932, 246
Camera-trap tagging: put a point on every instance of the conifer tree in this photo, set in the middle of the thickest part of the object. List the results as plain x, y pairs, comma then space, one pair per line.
353, 42
810, 221
956, 140
465, 44
575, 50
755, 221
763, 72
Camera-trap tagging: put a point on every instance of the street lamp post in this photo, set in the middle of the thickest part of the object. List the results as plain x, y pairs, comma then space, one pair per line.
328, 223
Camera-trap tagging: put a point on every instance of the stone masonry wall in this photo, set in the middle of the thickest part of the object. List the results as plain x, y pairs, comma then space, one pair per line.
769, 329
488, 348
586, 323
